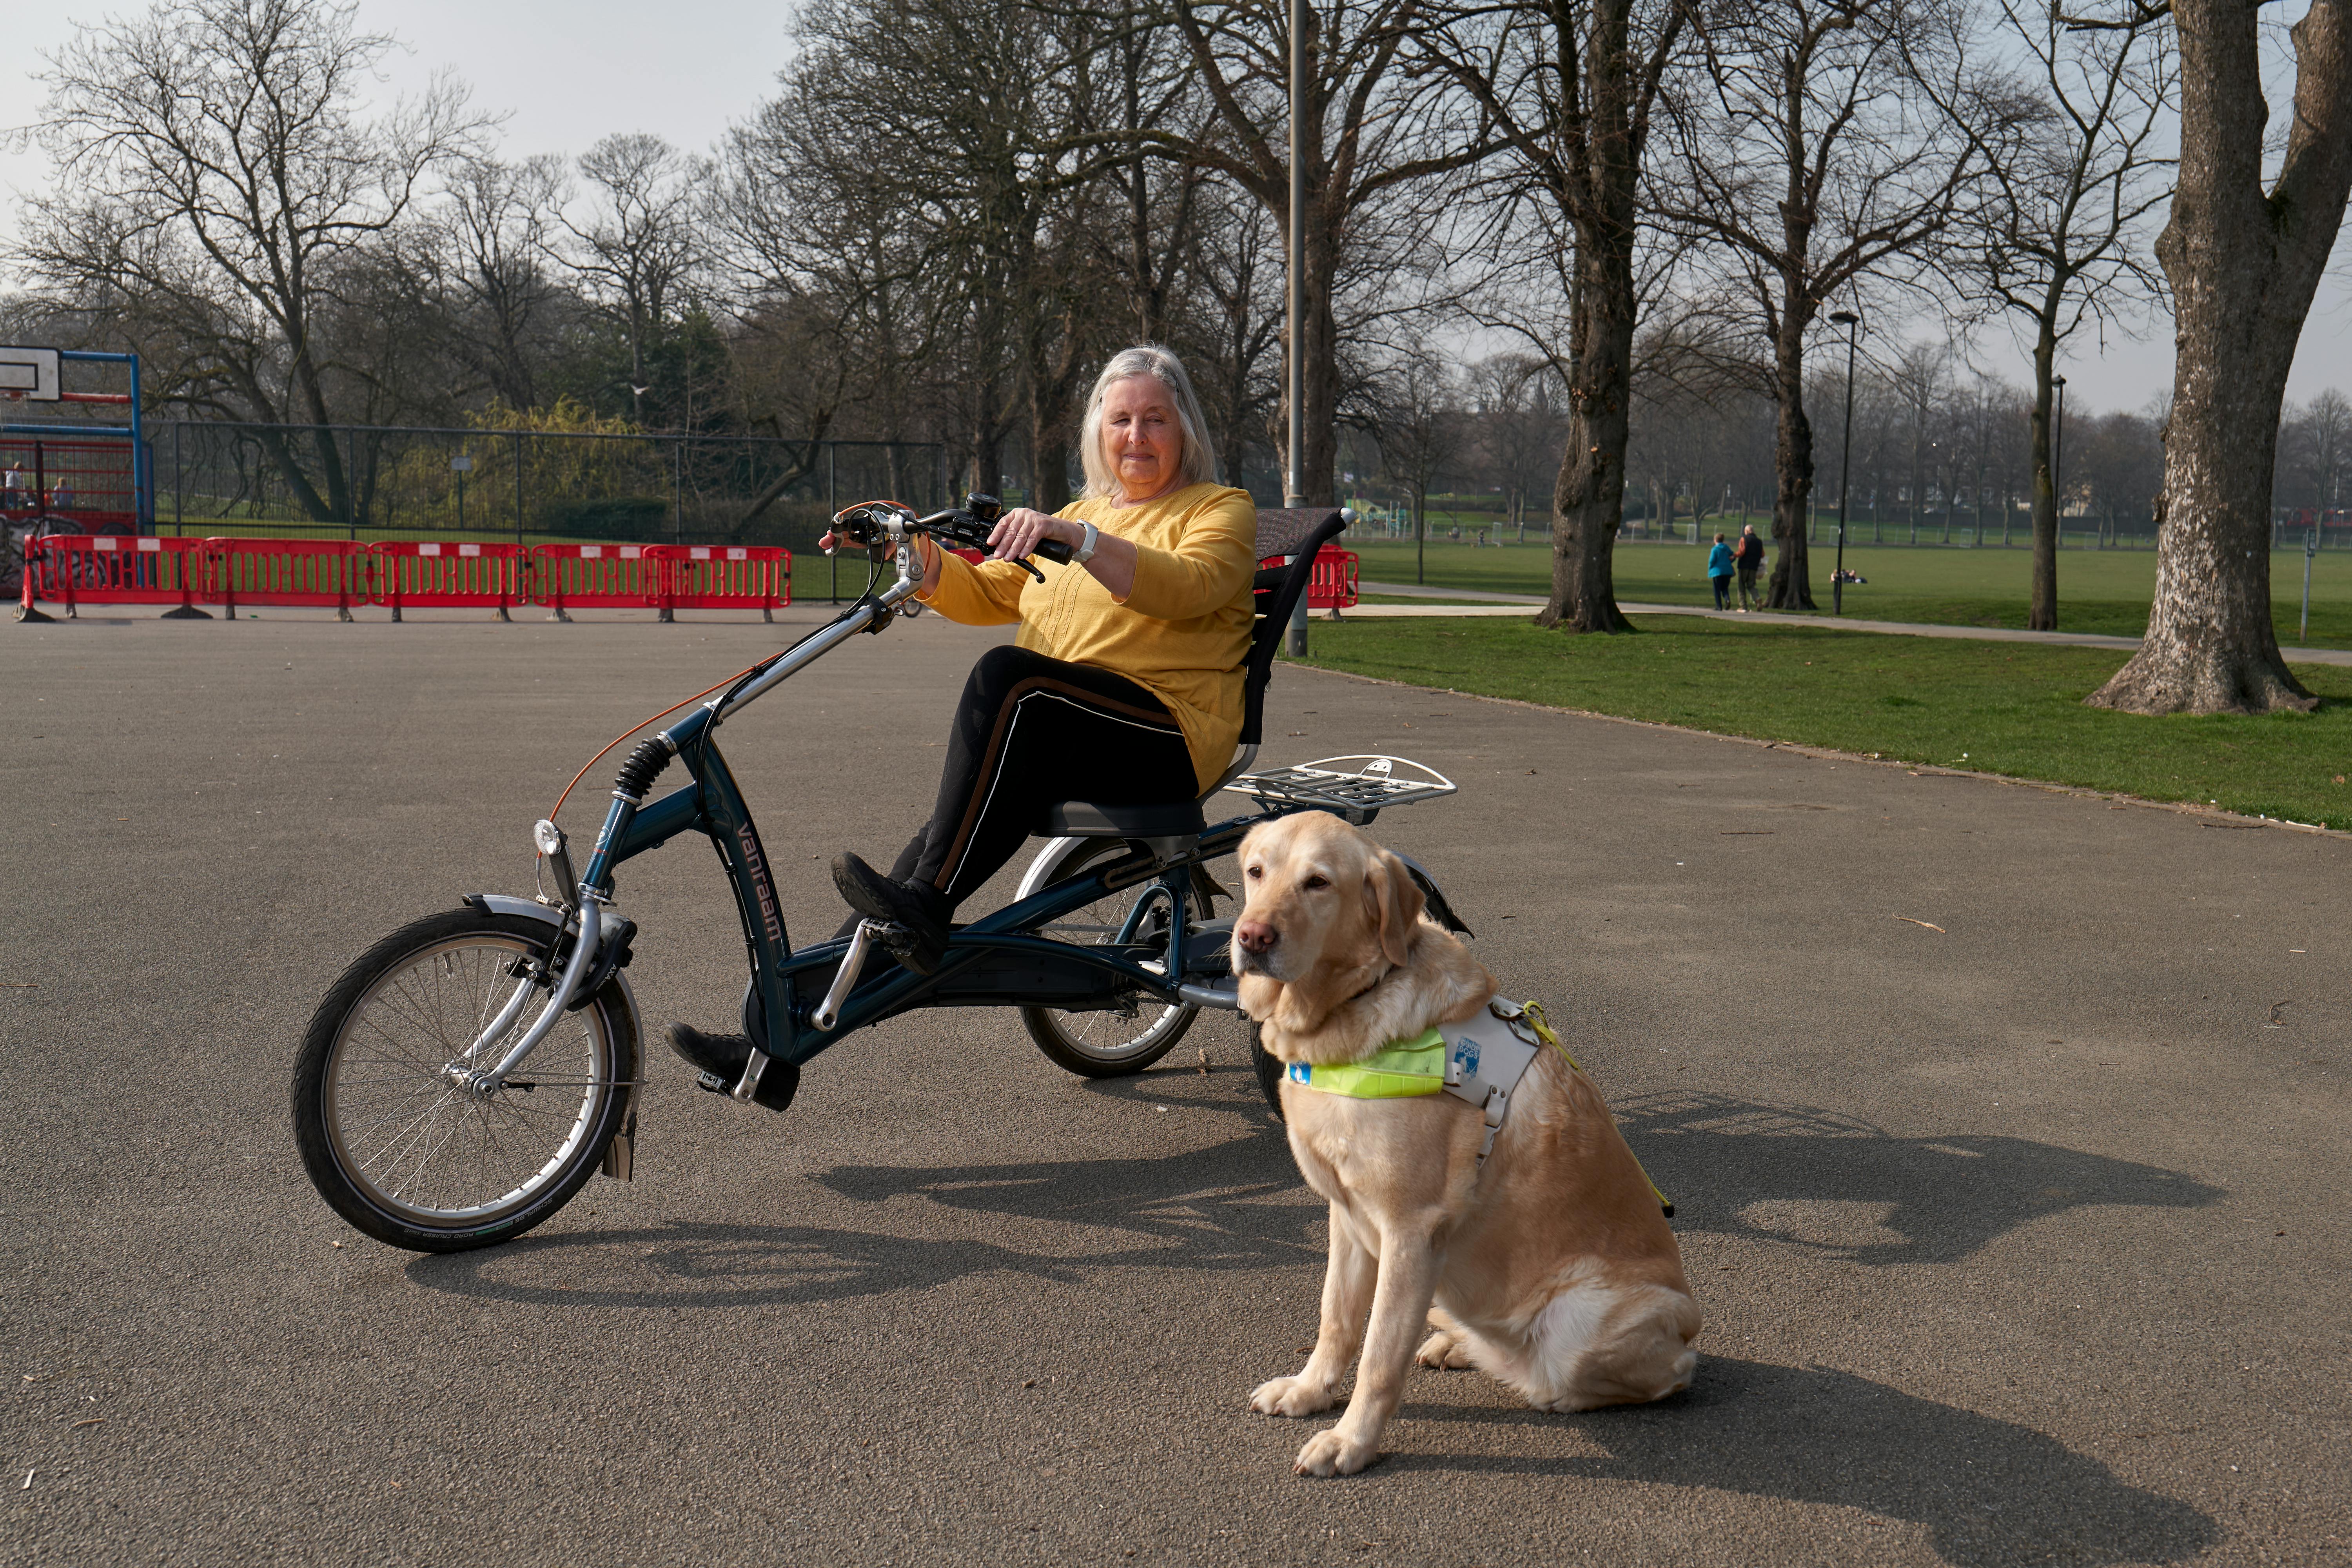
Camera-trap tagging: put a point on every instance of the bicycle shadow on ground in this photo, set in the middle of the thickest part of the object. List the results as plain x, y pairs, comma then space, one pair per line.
1814, 1180
1838, 1186
1987, 1491
1235, 1205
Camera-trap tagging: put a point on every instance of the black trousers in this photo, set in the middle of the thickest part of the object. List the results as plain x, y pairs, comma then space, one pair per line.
1032, 730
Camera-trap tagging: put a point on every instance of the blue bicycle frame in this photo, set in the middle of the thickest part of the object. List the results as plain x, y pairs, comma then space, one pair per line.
994, 961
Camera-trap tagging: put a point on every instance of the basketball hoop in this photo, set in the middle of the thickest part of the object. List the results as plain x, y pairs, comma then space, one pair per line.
29, 373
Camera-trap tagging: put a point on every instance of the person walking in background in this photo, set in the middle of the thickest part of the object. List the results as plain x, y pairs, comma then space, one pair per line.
1718, 573
1750, 557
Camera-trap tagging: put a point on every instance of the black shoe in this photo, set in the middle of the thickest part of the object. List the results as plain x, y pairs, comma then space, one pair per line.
917, 916
721, 1058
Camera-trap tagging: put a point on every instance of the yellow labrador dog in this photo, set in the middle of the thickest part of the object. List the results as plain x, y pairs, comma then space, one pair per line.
1550, 1268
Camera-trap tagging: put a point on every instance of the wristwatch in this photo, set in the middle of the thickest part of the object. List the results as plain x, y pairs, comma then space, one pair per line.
1086, 550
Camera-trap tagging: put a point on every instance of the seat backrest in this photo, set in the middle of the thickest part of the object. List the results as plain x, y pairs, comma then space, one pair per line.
1297, 532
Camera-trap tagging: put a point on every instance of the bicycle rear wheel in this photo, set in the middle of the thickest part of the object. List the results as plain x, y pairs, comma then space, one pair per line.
394, 1140
1119, 1041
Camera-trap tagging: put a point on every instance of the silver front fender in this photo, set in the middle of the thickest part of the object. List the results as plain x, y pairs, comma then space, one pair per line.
532, 910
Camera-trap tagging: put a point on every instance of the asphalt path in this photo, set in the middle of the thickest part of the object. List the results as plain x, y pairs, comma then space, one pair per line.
2008, 1128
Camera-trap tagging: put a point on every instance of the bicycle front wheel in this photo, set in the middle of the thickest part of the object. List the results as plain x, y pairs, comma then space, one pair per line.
394, 1138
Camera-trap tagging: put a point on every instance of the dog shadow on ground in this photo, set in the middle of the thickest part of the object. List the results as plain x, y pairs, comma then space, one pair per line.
1987, 1490
1836, 1185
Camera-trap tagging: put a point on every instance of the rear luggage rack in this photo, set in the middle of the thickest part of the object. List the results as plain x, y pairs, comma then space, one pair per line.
1357, 792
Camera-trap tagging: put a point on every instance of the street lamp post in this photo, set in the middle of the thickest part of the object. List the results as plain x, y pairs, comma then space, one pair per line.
1294, 479
1852, 323
2057, 466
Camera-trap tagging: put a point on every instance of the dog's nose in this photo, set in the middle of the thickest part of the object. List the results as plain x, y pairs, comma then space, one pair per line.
1256, 936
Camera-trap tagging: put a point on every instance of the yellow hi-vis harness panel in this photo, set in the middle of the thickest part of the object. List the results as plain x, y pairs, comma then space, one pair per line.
1480, 1060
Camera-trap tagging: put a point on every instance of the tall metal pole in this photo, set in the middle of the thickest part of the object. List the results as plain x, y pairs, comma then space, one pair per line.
1294, 474
2058, 466
1294, 479
1852, 323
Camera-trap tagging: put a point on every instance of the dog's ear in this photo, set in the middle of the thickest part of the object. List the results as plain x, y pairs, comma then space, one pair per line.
1393, 902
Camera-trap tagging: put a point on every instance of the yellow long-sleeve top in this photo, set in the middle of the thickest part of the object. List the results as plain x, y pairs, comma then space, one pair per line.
1181, 632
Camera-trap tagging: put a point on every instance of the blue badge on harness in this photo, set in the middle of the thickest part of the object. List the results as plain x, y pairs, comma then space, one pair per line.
1465, 1057
1301, 1073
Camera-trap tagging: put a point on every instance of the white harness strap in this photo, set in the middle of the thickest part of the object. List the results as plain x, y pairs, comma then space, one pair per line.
1485, 1058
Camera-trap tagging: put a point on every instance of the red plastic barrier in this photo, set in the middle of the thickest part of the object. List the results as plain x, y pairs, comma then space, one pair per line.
298, 571
597, 577
116, 569
433, 575
1331, 583
724, 577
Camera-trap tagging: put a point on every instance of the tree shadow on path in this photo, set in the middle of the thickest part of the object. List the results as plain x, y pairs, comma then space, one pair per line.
1838, 1185
1988, 1491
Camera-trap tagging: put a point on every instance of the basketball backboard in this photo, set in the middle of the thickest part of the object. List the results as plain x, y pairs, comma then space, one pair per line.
29, 376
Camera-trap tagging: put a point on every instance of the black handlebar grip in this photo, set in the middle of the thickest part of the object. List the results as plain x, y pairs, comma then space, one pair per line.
1055, 550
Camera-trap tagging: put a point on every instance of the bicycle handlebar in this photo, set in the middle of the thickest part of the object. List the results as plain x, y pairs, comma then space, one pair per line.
966, 527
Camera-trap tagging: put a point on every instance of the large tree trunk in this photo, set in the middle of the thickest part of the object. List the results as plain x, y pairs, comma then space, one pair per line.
1588, 497
1318, 484
1791, 586
1588, 494
2243, 264
2041, 615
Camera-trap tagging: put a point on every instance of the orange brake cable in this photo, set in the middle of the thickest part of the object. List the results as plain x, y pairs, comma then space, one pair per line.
635, 728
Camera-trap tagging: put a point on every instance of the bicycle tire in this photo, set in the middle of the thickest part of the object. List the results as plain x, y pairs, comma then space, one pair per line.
1080, 1042
441, 1168
1267, 1068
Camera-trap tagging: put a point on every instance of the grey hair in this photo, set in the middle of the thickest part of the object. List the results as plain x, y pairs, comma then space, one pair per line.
1199, 464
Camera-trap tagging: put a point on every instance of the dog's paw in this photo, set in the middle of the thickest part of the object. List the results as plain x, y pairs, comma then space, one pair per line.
1334, 1453
1290, 1396
1444, 1351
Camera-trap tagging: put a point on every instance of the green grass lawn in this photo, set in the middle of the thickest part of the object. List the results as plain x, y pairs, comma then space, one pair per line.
2098, 590
2000, 708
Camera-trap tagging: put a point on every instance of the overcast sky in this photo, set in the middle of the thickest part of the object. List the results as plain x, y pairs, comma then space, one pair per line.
566, 74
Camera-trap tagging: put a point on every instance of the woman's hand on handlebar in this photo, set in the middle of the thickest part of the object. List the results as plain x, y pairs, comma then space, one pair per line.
1020, 530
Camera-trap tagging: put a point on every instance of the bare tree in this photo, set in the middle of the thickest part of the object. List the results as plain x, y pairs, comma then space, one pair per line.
485, 248
2316, 451
212, 164
1416, 420
1570, 85
640, 249
2245, 260
2075, 170
1800, 159
1377, 132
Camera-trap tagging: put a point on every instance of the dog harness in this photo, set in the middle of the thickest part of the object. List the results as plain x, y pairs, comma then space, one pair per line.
1480, 1060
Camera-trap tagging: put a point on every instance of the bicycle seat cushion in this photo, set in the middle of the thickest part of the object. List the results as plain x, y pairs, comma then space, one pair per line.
1084, 819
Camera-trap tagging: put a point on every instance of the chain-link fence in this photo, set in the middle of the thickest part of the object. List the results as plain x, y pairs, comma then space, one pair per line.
380, 481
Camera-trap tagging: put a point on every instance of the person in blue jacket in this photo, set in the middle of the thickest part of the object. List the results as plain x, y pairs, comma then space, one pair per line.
1719, 567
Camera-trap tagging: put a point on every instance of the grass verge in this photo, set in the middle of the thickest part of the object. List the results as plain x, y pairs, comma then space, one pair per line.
1997, 707
2104, 591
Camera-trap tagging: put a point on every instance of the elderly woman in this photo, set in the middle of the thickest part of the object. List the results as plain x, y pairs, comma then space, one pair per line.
1124, 684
